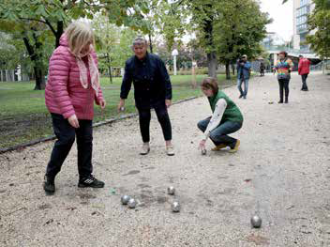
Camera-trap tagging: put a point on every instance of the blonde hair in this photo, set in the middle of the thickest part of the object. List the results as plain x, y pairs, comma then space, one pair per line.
79, 34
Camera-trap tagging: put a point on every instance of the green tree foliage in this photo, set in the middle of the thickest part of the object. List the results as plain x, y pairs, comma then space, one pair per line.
239, 28
113, 43
29, 17
320, 22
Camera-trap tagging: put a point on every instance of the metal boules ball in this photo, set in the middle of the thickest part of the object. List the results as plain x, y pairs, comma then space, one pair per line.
131, 203
256, 221
176, 207
171, 190
124, 199
204, 152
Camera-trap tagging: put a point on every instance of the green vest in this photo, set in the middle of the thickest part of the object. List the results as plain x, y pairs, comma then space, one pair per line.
232, 112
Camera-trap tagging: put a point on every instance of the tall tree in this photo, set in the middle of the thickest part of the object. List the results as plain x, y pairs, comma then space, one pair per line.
238, 34
319, 21
203, 20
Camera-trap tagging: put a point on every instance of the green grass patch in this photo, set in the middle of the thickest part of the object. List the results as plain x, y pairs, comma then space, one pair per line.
24, 116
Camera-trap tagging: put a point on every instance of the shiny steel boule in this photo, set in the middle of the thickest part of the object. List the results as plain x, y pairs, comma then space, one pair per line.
176, 207
256, 221
131, 203
171, 190
124, 199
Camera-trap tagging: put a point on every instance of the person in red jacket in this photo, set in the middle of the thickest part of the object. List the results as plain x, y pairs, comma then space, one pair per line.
73, 86
303, 70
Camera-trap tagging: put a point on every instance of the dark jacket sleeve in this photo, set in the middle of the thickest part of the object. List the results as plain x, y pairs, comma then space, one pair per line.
166, 79
127, 82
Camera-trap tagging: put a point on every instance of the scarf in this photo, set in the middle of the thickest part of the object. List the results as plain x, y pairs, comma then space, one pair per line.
94, 72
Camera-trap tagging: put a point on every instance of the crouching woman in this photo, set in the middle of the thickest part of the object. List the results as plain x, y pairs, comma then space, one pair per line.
226, 118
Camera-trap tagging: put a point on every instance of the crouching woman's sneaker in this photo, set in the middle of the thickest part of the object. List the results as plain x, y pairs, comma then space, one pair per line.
91, 182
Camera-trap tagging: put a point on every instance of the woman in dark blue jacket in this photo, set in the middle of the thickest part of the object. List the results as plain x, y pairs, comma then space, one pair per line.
152, 89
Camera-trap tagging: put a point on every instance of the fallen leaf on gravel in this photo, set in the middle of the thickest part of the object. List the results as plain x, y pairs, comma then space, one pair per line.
44, 206
49, 221
258, 240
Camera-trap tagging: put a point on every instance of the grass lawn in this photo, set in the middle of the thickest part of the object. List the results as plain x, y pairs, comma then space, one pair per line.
24, 117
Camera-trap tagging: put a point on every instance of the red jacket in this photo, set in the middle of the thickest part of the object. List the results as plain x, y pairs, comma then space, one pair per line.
303, 67
64, 93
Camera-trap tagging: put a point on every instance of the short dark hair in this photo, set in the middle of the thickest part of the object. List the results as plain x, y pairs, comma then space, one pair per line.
301, 56
284, 53
210, 83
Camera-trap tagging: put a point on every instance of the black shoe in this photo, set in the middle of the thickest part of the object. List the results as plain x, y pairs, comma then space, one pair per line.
241, 96
91, 182
49, 185
280, 102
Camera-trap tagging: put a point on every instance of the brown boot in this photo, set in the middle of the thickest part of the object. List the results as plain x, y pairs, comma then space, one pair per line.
219, 147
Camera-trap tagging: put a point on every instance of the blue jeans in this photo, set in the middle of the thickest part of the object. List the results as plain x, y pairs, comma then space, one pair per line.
246, 86
220, 134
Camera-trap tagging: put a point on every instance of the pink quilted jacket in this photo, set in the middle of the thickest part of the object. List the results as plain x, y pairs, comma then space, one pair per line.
64, 93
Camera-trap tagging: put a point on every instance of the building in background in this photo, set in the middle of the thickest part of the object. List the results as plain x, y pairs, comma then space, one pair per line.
301, 10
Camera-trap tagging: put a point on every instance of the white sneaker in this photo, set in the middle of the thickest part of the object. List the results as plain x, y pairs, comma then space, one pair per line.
170, 150
145, 149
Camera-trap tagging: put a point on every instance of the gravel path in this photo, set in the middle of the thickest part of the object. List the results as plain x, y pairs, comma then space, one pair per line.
281, 172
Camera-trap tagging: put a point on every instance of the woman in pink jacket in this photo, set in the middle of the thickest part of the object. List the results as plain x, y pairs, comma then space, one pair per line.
73, 86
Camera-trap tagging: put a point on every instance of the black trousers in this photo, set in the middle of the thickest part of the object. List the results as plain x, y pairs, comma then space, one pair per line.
66, 134
163, 119
284, 86
304, 82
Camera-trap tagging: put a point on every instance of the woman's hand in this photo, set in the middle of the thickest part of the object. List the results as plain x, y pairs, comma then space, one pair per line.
121, 105
73, 121
103, 103
168, 103
202, 145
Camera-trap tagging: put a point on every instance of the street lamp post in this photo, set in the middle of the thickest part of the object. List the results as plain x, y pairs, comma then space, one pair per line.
174, 54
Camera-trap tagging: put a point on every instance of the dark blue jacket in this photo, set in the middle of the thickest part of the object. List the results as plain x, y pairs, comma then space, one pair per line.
152, 84
243, 72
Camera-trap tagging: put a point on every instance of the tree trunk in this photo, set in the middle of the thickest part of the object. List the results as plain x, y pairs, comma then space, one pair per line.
37, 62
109, 67
59, 32
212, 64
150, 43
233, 68
40, 79
228, 71
211, 55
